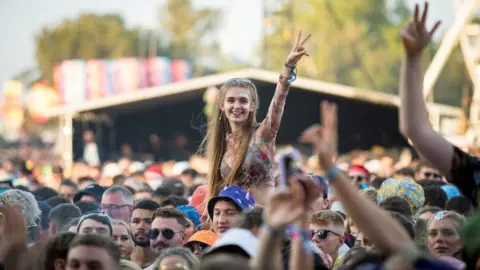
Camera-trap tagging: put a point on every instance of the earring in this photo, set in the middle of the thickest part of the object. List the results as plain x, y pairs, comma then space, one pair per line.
220, 117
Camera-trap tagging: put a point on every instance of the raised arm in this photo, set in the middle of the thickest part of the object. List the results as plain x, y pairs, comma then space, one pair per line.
414, 122
271, 124
375, 223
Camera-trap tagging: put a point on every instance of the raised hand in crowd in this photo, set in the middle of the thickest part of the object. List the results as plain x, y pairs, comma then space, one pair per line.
416, 36
287, 206
377, 225
298, 50
457, 166
326, 147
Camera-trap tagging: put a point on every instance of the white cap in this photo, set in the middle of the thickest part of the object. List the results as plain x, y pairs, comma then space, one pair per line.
374, 166
136, 166
111, 170
241, 238
179, 167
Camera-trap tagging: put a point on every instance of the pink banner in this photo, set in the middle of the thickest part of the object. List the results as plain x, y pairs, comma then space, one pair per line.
96, 79
125, 75
181, 70
158, 71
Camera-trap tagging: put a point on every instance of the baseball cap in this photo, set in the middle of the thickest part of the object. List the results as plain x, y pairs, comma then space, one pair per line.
205, 237
174, 185
191, 213
242, 238
238, 196
93, 190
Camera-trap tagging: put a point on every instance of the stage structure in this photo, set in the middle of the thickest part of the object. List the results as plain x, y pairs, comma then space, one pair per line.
465, 33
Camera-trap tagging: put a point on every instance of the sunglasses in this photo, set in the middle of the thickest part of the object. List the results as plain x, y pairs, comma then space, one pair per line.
357, 178
166, 233
322, 234
200, 247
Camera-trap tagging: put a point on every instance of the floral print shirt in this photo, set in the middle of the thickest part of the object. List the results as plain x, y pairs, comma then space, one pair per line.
258, 166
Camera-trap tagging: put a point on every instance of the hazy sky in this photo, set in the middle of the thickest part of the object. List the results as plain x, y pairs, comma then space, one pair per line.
21, 20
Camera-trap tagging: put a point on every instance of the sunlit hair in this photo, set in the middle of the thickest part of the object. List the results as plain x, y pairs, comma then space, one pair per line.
214, 144
124, 224
457, 219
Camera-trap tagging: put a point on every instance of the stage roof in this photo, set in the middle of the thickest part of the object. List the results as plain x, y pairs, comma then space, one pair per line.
202, 83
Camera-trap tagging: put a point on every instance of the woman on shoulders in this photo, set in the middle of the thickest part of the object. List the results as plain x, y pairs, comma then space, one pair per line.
241, 151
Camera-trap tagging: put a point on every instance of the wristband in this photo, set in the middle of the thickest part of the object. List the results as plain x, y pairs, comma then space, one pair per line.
292, 72
297, 234
334, 171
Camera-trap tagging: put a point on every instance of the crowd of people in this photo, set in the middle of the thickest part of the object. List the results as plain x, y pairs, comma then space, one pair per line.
245, 205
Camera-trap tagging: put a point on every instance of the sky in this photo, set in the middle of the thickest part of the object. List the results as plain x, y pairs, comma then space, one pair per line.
21, 20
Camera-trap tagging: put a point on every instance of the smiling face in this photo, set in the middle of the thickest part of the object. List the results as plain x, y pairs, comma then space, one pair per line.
237, 105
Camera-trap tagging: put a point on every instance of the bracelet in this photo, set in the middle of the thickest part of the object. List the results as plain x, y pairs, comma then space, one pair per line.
292, 71
332, 173
275, 231
297, 234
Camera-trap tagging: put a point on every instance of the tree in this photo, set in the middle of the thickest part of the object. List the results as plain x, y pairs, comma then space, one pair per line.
356, 43
86, 37
353, 42
190, 31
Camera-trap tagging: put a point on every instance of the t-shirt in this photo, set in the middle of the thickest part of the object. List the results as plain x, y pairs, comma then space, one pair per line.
465, 173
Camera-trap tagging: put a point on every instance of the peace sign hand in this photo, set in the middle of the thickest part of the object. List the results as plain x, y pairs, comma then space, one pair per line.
415, 36
298, 50
324, 137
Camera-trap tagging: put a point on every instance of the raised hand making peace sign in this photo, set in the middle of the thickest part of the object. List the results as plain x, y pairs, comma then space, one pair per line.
415, 36
298, 51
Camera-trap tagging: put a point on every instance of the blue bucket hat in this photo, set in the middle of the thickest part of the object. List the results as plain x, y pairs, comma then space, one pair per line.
190, 213
235, 194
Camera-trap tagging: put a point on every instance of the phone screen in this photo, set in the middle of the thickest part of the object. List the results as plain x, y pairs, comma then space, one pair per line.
287, 167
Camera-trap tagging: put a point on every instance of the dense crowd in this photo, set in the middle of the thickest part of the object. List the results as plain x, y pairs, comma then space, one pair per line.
245, 204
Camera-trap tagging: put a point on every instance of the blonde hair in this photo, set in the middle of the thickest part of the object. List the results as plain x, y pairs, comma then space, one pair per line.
214, 144
370, 194
457, 219
328, 217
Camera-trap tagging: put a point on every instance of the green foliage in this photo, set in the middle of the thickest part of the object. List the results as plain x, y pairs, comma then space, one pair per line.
352, 42
356, 43
190, 31
86, 37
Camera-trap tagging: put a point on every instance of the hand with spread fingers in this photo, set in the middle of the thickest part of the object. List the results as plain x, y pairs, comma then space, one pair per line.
415, 37
298, 51
324, 137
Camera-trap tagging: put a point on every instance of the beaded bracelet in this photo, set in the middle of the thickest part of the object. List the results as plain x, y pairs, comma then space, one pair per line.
292, 71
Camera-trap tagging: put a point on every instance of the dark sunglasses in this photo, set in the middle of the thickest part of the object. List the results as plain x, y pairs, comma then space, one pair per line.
198, 246
166, 233
357, 178
322, 234
429, 174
